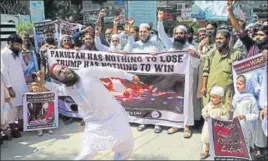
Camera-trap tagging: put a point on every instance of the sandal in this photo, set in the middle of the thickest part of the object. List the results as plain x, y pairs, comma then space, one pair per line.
187, 133
204, 155
157, 129
172, 130
141, 127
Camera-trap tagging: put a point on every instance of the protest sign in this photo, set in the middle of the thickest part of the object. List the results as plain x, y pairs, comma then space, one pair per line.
39, 28
40, 111
227, 140
160, 98
254, 69
210, 10
31, 63
67, 28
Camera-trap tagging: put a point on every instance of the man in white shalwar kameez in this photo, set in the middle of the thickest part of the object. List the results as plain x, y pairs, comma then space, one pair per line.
106, 121
180, 43
146, 44
12, 68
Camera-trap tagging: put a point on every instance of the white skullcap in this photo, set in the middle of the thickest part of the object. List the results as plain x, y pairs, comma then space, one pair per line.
62, 36
181, 27
218, 91
201, 29
251, 25
144, 25
115, 36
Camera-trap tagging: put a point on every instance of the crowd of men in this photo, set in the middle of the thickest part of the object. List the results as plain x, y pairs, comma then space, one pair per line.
213, 49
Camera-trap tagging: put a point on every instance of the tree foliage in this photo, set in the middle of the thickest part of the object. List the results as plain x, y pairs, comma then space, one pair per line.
26, 27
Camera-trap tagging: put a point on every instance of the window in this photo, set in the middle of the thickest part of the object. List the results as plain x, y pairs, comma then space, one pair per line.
179, 6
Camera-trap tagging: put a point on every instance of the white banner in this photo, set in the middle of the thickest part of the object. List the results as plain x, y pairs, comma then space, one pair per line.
162, 98
166, 63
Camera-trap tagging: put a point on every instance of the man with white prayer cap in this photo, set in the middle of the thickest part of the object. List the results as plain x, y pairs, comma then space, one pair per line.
145, 44
180, 43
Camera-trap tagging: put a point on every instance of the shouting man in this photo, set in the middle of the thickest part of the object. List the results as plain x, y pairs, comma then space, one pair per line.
106, 121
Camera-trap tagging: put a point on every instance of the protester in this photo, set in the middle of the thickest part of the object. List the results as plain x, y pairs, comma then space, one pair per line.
180, 43
12, 68
245, 108
209, 42
134, 30
214, 109
31, 59
115, 44
253, 47
66, 42
145, 45
5, 99
218, 67
87, 35
106, 120
50, 44
201, 34
108, 34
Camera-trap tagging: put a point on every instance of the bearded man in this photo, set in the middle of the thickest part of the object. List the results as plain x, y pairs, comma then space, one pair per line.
146, 44
218, 67
115, 44
12, 68
179, 43
106, 121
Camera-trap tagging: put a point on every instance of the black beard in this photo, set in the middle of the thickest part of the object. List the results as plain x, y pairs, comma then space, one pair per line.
220, 48
15, 52
190, 39
50, 41
178, 45
70, 81
262, 44
146, 40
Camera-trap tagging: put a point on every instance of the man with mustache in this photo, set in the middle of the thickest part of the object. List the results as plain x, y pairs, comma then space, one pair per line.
106, 120
145, 44
50, 44
12, 68
254, 47
218, 67
179, 43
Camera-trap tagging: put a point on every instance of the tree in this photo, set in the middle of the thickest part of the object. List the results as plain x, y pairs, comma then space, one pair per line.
26, 27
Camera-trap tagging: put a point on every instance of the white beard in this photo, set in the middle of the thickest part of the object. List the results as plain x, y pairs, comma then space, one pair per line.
115, 48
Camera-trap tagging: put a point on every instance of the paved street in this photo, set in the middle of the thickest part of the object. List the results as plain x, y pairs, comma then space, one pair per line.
65, 143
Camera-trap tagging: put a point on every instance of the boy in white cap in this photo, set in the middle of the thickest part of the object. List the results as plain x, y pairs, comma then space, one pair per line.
214, 109
245, 108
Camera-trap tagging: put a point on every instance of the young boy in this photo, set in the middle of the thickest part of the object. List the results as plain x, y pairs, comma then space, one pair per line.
245, 108
214, 109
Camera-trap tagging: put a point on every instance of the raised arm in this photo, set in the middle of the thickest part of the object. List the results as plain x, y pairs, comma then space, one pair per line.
108, 72
98, 43
232, 18
161, 31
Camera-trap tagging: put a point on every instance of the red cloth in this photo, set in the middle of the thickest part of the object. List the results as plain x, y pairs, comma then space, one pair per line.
50, 111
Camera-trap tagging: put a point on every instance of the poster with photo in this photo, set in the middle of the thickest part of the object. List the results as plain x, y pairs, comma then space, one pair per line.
40, 111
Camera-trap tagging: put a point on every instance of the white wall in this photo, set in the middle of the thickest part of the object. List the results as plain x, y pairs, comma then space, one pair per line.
16, 18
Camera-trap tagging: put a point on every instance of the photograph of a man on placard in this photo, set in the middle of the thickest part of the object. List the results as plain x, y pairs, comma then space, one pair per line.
41, 114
